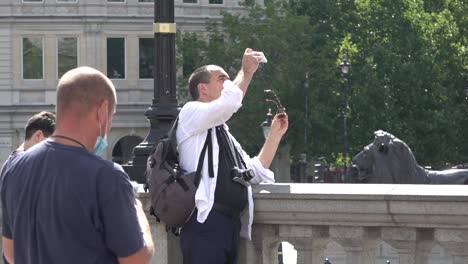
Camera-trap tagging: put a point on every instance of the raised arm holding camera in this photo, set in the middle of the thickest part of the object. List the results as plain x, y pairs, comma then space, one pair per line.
224, 204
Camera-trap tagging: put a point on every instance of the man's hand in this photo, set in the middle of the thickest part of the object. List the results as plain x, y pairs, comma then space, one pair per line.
250, 61
279, 125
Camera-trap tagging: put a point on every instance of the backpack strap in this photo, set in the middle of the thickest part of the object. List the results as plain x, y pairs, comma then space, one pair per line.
202, 156
172, 136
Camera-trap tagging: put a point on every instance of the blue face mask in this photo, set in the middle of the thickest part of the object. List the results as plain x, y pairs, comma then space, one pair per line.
101, 142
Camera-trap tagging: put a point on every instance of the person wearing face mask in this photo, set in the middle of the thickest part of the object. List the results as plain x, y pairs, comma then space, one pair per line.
62, 203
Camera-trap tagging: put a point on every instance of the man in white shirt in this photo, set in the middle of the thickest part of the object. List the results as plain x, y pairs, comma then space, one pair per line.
224, 207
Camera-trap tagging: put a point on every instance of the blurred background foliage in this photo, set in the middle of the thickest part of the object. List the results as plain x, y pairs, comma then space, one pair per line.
408, 77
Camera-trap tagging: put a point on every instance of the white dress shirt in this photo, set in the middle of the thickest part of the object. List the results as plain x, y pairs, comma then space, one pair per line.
195, 119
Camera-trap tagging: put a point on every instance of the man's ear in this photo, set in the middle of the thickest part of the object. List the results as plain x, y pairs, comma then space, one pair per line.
38, 136
102, 109
202, 88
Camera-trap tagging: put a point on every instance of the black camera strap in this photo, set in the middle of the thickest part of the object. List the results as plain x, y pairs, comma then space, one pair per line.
234, 154
239, 157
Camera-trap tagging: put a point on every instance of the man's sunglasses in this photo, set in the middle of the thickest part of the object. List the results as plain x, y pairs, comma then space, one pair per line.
279, 107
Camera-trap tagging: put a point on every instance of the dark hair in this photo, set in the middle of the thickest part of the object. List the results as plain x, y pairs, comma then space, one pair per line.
200, 75
44, 121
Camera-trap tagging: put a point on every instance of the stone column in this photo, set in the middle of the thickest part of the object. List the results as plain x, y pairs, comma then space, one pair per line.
166, 245
310, 250
359, 243
94, 47
454, 241
413, 245
309, 241
247, 252
160, 241
266, 240
133, 59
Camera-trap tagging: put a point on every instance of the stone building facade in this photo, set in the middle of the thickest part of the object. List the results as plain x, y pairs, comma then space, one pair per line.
42, 39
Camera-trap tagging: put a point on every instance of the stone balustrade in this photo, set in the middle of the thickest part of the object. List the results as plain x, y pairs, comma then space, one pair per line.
414, 224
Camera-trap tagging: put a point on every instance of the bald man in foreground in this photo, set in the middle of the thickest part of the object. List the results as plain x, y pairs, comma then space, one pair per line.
62, 203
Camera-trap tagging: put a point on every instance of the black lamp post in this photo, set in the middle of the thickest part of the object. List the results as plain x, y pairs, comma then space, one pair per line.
266, 125
163, 109
466, 89
345, 68
306, 111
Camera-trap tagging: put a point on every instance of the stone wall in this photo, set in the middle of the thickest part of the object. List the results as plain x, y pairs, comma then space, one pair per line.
415, 224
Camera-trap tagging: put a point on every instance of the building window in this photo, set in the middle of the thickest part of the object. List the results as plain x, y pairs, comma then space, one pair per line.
67, 54
32, 1
115, 1
116, 58
146, 1
216, 1
190, 1
249, 2
32, 58
146, 58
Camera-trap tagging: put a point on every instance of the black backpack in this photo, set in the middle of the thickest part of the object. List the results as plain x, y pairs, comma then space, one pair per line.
172, 190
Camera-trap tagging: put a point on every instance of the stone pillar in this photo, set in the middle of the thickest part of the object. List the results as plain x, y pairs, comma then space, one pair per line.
359, 243
132, 58
247, 252
160, 241
454, 241
413, 245
309, 241
310, 250
266, 241
166, 245
94, 47
280, 164
424, 244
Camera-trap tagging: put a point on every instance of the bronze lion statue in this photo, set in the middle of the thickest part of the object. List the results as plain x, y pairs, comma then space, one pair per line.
390, 160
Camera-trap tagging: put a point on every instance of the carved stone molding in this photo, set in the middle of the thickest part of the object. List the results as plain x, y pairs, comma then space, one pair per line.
66, 10
93, 28
117, 10
31, 10
144, 10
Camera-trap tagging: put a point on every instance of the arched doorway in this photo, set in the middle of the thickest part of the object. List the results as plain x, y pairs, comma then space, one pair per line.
122, 152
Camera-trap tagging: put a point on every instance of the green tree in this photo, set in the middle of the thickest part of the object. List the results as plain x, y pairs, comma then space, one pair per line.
409, 69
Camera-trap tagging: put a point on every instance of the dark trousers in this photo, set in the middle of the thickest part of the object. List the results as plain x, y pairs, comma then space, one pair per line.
216, 241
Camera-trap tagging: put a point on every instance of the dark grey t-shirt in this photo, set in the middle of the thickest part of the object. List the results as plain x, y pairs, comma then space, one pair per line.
62, 204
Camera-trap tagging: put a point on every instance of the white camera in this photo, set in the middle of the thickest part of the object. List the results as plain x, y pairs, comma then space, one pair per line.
263, 59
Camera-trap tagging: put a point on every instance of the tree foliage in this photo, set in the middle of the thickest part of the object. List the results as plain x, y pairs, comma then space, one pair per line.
409, 69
